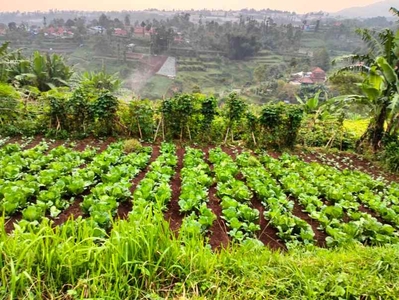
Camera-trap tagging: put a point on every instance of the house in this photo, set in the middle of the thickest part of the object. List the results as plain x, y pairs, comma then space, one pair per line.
139, 31
57, 32
97, 30
316, 76
120, 32
3, 31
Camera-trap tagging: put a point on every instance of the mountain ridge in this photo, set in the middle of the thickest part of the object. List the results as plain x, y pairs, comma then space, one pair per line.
378, 9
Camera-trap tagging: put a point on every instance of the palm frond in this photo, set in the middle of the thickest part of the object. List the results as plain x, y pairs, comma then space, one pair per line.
394, 11
372, 41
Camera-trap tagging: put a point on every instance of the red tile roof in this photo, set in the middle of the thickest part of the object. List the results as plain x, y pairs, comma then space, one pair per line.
318, 70
306, 80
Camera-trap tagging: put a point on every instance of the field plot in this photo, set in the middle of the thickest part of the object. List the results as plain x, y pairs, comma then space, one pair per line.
88, 220
168, 68
225, 196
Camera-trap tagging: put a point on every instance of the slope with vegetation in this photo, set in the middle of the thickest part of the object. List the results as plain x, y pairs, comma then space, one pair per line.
196, 211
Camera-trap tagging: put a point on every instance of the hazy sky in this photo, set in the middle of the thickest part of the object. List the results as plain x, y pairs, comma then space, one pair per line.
291, 5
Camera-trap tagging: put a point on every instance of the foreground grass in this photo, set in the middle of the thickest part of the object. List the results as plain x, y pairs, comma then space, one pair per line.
141, 258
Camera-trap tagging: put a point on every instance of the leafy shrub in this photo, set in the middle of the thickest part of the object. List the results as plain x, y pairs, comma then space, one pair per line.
280, 124
390, 155
326, 134
132, 145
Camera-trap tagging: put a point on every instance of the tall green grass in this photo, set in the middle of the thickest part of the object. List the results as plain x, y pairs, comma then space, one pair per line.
141, 258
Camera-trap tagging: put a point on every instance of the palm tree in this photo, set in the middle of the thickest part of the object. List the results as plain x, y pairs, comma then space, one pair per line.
381, 85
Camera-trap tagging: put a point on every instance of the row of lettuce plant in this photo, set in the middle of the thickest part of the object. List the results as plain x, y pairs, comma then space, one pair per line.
313, 183
278, 208
20, 194
196, 180
235, 196
154, 190
15, 162
109, 176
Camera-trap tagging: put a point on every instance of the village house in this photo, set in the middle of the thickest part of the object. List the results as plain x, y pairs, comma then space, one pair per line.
57, 32
139, 31
316, 76
120, 32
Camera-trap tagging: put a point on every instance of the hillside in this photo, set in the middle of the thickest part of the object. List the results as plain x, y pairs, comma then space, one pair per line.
369, 11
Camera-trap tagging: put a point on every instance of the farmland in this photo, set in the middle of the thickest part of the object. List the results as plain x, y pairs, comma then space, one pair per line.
163, 203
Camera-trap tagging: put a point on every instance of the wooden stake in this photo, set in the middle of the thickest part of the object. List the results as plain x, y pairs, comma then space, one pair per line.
181, 134
163, 127
189, 133
156, 132
227, 134
253, 137
138, 124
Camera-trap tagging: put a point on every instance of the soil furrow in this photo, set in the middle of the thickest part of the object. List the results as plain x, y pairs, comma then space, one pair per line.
320, 235
267, 234
173, 212
218, 237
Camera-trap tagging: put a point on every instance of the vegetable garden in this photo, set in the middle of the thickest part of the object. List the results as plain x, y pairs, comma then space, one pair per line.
162, 203
301, 203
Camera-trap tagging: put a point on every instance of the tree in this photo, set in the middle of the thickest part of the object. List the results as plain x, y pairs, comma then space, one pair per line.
104, 21
127, 20
241, 46
317, 27
380, 87
346, 83
12, 26
264, 72
321, 59
143, 26
70, 23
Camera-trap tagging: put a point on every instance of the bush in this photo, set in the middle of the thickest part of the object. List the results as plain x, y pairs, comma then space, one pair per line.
132, 145
390, 154
326, 134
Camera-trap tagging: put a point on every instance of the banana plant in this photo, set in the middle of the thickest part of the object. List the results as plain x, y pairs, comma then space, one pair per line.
381, 85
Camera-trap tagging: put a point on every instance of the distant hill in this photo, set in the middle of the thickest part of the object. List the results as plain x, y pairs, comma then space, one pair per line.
369, 11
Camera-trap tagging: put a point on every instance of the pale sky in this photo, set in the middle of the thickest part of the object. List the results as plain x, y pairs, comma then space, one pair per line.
299, 6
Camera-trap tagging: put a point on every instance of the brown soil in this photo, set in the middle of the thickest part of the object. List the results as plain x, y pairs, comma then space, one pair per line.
358, 163
369, 211
72, 212
320, 236
232, 151
54, 145
173, 214
36, 141
218, 238
9, 224
267, 234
